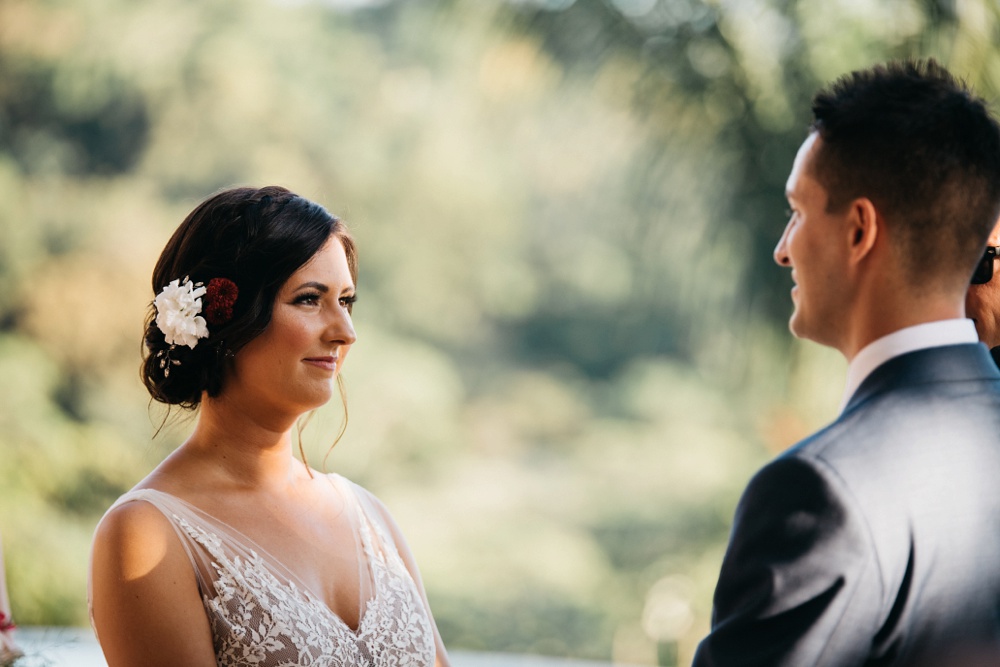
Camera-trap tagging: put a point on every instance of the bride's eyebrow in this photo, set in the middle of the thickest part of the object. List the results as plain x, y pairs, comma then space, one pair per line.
314, 285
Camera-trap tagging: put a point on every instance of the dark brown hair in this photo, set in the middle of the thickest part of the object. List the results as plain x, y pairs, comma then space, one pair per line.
924, 149
257, 238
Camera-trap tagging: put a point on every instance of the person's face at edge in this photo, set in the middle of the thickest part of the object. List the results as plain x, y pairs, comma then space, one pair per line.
982, 303
814, 247
292, 366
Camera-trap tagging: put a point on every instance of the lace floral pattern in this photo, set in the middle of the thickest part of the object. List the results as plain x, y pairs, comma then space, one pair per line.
259, 619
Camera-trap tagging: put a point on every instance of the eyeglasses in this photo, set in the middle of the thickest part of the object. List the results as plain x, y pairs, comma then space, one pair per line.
984, 270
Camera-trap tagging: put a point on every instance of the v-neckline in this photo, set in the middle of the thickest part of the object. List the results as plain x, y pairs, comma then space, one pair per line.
293, 581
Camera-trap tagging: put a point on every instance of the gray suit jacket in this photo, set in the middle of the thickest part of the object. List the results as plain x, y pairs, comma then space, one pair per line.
875, 541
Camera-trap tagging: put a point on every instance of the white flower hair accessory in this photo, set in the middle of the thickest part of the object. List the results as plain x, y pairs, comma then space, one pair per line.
178, 313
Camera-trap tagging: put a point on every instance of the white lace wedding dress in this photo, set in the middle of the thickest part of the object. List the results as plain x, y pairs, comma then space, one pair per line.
262, 616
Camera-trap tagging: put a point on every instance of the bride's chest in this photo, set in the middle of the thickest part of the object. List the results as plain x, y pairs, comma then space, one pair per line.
252, 609
332, 554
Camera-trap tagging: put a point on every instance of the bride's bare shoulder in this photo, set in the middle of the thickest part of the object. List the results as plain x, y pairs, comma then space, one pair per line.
133, 535
144, 597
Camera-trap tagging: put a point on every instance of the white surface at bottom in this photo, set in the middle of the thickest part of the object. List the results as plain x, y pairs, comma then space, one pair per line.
58, 647
77, 647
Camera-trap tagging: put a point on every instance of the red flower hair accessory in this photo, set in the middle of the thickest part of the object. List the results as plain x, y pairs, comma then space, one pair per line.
220, 297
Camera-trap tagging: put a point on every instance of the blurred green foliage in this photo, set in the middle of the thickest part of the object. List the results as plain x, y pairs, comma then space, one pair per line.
572, 350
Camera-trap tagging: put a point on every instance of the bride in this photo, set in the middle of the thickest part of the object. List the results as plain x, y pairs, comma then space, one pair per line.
232, 552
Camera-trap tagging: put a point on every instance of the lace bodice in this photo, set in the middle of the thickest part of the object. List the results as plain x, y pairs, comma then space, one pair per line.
262, 617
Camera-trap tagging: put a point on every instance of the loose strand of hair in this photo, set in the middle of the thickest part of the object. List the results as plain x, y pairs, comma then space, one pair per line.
300, 426
343, 425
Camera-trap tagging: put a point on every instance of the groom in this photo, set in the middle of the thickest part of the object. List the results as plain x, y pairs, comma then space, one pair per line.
876, 541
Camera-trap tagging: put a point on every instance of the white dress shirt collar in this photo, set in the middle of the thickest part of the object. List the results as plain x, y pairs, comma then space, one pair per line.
910, 339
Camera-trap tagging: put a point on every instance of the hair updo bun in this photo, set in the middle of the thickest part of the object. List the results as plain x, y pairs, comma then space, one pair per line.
255, 239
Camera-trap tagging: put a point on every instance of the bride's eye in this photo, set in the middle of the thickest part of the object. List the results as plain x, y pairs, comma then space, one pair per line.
307, 298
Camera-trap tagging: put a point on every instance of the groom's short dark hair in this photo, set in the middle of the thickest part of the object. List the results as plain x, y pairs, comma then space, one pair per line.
924, 149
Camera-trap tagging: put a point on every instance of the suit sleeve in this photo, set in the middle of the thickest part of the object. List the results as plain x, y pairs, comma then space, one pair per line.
799, 583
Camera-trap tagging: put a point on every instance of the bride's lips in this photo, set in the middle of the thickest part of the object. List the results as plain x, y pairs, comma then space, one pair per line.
326, 363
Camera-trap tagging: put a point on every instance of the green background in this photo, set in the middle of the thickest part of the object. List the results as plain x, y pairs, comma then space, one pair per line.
572, 344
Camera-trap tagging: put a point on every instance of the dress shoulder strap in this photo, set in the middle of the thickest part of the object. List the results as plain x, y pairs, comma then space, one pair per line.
371, 515
203, 537
199, 534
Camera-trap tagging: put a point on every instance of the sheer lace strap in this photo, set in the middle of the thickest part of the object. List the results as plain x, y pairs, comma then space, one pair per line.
173, 509
376, 533
188, 522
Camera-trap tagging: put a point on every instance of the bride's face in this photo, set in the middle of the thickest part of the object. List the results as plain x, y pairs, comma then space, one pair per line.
292, 366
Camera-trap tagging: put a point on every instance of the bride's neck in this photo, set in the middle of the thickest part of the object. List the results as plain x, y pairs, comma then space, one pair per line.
252, 447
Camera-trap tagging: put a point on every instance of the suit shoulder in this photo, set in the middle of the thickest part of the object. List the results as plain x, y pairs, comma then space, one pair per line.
795, 477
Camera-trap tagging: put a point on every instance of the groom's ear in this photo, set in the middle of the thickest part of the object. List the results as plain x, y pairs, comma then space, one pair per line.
864, 225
